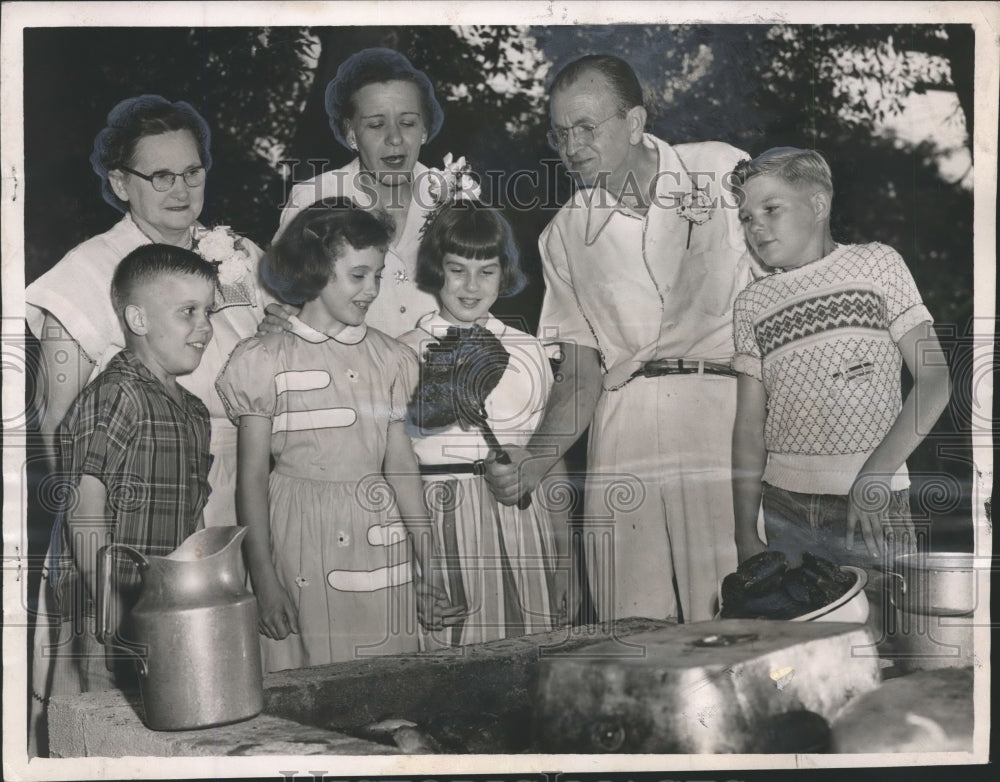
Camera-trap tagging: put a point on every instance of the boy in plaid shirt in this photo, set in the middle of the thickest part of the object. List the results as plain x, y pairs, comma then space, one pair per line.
133, 459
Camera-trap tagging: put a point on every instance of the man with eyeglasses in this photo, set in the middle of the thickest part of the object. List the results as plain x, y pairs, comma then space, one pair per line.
641, 269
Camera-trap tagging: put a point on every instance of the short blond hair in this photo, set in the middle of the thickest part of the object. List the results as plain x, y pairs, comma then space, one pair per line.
795, 166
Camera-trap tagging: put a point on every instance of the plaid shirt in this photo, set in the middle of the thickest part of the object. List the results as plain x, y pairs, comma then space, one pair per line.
151, 454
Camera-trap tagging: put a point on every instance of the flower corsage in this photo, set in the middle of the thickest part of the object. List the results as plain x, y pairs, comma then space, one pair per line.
696, 208
228, 253
454, 182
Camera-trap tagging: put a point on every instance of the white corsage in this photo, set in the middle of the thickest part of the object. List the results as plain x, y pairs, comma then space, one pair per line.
454, 182
227, 251
696, 208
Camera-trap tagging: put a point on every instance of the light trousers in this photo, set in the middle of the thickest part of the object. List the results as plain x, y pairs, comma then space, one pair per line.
658, 503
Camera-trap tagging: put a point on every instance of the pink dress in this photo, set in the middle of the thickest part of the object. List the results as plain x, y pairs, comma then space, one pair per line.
339, 547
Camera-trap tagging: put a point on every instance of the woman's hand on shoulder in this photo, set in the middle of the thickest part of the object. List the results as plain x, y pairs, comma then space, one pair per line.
276, 319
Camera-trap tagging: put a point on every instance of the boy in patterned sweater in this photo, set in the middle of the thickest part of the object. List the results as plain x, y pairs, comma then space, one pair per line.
821, 431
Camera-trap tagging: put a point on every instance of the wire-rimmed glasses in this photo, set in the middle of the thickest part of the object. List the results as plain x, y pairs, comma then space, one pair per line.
583, 133
162, 181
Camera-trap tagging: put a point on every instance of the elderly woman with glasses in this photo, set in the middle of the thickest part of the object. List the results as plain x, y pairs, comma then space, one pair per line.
384, 109
152, 160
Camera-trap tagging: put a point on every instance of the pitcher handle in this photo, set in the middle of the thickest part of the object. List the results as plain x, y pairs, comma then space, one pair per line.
105, 635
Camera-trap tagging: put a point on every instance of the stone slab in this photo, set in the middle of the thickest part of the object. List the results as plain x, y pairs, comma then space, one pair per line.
705, 687
927, 711
107, 724
493, 678
304, 707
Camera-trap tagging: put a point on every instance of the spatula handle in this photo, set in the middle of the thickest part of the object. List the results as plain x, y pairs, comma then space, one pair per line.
502, 457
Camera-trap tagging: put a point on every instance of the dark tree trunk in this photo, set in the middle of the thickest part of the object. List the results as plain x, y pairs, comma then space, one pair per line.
961, 52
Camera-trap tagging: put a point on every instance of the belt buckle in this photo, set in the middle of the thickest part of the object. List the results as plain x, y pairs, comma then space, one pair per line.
479, 467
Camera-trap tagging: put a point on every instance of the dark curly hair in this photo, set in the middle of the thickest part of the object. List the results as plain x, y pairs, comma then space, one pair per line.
300, 263
373, 66
471, 230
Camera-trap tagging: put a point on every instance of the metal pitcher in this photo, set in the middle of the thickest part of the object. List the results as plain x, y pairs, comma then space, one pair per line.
193, 631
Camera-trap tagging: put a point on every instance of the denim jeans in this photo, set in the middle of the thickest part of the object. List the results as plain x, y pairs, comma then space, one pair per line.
817, 523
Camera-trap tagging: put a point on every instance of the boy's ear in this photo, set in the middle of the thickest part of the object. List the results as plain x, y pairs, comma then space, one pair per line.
135, 319
821, 204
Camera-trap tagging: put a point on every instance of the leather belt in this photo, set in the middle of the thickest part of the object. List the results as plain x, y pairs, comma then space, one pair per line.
477, 467
682, 366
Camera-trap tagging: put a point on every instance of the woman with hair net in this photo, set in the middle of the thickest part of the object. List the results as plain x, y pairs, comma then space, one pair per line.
384, 109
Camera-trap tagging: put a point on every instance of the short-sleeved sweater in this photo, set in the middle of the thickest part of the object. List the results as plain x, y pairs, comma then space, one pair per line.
822, 339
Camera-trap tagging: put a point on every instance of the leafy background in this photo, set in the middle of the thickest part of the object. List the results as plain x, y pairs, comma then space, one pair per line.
843, 89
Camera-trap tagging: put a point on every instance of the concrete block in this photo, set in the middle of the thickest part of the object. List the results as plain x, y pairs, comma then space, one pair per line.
303, 708
927, 711
706, 687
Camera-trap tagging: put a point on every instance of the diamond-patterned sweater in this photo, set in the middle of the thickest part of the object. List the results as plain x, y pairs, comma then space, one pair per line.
822, 339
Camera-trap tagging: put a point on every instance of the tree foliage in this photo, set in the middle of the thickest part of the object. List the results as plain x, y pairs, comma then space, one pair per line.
829, 87
858, 75
250, 84
261, 90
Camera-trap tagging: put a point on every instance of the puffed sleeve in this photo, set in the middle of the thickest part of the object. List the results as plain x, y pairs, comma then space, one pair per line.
404, 383
747, 359
246, 383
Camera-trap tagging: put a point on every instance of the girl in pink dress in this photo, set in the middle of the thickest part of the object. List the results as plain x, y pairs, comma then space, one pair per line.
330, 524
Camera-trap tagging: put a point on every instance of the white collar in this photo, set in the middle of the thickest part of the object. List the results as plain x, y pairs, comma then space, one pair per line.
349, 335
433, 323
600, 206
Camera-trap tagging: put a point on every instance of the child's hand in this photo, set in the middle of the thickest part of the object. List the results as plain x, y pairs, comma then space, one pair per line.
434, 610
749, 547
276, 613
868, 511
276, 318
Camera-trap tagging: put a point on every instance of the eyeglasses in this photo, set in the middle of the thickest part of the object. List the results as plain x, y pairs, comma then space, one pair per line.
582, 132
162, 181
